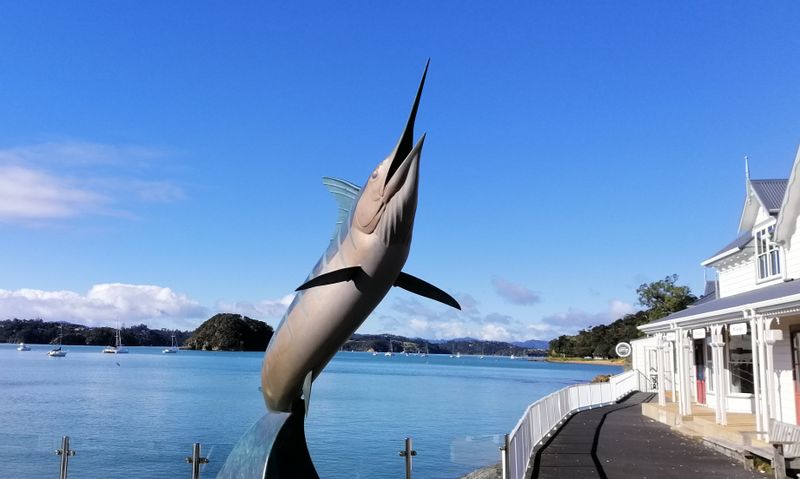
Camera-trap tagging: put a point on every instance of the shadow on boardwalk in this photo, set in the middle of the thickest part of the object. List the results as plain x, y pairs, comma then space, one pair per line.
618, 442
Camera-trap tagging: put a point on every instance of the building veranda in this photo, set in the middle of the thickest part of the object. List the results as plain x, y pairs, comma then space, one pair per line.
731, 361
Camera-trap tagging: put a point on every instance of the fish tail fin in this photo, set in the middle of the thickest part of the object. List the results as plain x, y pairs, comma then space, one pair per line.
274, 448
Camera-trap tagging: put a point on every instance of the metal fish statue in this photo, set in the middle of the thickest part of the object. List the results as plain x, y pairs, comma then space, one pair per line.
364, 260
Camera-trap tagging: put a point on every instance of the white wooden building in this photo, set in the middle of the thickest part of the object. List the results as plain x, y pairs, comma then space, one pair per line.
737, 349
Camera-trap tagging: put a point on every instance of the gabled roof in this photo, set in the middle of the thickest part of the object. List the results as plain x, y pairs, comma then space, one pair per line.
775, 296
733, 247
790, 209
770, 193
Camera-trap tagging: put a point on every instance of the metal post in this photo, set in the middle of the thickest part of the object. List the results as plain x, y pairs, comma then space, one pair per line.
195, 460
65, 452
504, 457
408, 453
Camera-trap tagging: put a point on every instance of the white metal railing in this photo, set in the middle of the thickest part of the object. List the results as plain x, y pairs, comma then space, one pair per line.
546, 414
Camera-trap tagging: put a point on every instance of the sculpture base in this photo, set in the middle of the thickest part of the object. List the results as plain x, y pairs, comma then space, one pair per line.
274, 448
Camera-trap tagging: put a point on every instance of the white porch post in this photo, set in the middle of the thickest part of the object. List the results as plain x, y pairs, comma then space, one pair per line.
684, 350
662, 399
754, 344
763, 390
717, 343
672, 367
769, 341
678, 375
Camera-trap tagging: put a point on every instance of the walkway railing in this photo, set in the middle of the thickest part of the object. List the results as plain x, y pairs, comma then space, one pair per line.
546, 414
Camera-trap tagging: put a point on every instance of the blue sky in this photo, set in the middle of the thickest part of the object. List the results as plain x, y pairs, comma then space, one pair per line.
161, 161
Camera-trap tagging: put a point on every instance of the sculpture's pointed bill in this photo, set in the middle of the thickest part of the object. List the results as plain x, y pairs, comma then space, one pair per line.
406, 141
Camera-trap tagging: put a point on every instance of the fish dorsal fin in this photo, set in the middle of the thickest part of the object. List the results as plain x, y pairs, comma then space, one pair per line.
345, 194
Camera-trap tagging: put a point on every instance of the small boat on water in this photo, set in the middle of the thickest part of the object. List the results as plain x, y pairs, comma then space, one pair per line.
22, 347
118, 348
58, 352
389, 352
172, 349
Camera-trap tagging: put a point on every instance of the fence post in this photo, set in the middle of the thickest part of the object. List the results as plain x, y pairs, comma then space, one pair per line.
504, 456
408, 453
195, 460
65, 452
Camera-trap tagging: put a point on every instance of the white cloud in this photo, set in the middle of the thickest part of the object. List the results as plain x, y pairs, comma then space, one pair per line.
515, 293
573, 320
415, 318
618, 308
106, 305
79, 154
31, 194
261, 310
56, 181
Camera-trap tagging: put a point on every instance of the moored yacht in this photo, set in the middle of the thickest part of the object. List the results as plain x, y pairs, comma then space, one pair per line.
118, 348
58, 352
172, 349
22, 347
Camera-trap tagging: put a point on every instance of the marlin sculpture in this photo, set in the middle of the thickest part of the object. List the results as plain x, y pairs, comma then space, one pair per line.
364, 260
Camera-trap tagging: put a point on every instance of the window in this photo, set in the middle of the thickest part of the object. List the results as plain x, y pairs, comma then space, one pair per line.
767, 254
740, 362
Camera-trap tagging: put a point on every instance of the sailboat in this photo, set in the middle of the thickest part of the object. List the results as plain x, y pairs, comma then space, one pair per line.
389, 352
172, 349
117, 349
58, 352
22, 347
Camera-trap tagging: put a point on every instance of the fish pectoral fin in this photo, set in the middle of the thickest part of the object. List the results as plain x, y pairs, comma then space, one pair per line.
307, 390
338, 276
423, 288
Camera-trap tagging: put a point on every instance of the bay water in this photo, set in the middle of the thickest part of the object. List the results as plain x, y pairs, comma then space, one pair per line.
137, 415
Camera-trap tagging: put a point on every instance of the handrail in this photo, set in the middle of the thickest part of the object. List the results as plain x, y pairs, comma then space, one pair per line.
543, 416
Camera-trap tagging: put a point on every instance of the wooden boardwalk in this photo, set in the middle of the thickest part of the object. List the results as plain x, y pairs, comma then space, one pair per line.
617, 441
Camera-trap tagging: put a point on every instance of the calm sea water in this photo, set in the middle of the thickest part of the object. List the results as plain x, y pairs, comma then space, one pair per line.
137, 415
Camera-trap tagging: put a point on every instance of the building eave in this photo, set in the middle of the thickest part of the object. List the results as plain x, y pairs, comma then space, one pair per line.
720, 256
723, 315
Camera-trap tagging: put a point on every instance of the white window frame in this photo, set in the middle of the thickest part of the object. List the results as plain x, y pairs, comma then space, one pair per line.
770, 252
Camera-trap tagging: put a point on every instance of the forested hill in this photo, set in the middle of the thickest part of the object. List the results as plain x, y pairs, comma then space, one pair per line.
231, 332
659, 298
382, 342
37, 331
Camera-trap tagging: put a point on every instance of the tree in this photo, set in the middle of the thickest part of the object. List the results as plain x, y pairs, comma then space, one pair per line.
664, 297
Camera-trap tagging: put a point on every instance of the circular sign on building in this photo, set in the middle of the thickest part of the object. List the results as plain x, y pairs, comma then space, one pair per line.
623, 350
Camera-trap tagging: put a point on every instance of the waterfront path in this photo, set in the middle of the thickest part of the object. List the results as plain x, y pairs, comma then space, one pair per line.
617, 441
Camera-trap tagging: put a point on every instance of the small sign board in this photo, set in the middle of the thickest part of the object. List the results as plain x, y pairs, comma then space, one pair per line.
738, 329
699, 333
670, 336
623, 350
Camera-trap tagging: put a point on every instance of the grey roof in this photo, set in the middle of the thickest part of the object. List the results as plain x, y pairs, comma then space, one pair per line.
710, 294
737, 244
786, 288
770, 192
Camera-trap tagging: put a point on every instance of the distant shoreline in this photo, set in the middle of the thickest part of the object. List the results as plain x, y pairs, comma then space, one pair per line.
596, 362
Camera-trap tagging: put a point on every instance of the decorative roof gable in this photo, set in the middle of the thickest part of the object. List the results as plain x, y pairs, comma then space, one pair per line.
790, 207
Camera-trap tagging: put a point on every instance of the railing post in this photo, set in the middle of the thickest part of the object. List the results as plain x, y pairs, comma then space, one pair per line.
195, 460
408, 453
504, 456
65, 452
